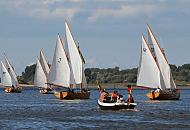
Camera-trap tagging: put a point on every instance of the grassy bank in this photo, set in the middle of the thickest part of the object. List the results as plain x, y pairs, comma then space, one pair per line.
124, 86
181, 85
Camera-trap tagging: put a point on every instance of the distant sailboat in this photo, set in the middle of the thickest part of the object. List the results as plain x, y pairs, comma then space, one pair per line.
154, 71
40, 79
5, 76
14, 88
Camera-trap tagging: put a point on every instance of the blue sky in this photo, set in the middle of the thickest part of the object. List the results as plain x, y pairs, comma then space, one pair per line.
109, 31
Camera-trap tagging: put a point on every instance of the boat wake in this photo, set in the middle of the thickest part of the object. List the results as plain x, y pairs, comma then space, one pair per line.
72, 101
157, 101
132, 110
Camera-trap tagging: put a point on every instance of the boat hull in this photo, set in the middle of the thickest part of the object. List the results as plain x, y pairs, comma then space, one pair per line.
116, 106
168, 94
72, 95
13, 90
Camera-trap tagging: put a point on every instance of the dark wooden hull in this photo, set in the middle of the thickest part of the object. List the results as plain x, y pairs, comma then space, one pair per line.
11, 90
72, 95
168, 94
116, 106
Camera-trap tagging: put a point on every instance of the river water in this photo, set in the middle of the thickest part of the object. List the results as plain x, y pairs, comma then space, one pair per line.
31, 110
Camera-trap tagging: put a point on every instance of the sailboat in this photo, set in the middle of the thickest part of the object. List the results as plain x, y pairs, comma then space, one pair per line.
59, 75
9, 79
76, 63
5, 77
72, 69
154, 71
40, 79
46, 69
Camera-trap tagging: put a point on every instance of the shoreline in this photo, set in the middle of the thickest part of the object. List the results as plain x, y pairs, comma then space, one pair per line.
124, 86
106, 86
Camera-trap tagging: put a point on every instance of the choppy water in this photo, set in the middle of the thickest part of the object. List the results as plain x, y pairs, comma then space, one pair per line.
31, 110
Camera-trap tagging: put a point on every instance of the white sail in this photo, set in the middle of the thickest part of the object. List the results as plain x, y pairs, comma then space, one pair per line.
44, 63
12, 73
72, 80
40, 79
173, 85
59, 72
162, 62
148, 74
84, 83
5, 76
75, 59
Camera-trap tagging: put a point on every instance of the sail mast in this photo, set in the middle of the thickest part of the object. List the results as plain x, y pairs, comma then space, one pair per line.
154, 41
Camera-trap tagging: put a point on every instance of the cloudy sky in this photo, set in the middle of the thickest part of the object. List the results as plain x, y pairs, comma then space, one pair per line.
109, 31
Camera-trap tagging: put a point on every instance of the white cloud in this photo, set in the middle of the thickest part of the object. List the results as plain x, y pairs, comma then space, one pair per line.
43, 9
94, 9
124, 11
46, 13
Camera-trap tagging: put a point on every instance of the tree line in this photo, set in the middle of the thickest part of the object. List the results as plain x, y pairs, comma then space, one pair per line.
181, 75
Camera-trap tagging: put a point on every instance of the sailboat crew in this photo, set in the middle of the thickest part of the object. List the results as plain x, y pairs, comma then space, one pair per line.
158, 89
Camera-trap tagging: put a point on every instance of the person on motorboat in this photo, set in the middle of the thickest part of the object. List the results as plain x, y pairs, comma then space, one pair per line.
114, 96
120, 98
129, 89
130, 99
104, 95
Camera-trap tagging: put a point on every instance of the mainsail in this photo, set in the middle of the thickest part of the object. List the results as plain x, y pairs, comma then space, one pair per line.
44, 63
75, 58
40, 79
5, 76
166, 77
59, 72
72, 80
11, 72
84, 82
148, 74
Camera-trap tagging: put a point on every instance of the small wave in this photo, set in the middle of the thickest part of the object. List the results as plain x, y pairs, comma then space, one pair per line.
72, 101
